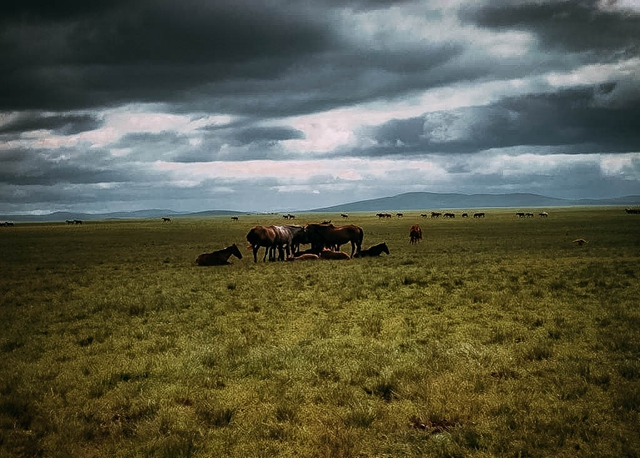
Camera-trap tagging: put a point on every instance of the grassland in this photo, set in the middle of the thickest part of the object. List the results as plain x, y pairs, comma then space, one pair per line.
494, 337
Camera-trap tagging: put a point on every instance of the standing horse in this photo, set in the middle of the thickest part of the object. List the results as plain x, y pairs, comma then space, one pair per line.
328, 235
282, 242
375, 250
415, 234
298, 236
220, 257
261, 236
272, 238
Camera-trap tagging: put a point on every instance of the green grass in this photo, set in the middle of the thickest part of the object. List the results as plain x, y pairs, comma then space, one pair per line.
492, 337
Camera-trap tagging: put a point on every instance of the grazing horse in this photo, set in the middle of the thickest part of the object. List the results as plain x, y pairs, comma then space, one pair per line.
478, 215
272, 238
166, 220
373, 251
415, 234
329, 254
220, 257
298, 236
328, 235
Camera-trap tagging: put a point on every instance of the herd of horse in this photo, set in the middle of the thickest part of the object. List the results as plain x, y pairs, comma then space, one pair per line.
283, 243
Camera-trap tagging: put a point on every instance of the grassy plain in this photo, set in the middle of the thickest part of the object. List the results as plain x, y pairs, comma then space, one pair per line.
494, 337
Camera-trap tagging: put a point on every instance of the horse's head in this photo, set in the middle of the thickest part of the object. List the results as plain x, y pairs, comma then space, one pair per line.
385, 248
236, 251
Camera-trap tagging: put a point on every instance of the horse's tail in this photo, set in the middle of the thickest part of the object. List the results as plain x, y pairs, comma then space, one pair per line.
359, 239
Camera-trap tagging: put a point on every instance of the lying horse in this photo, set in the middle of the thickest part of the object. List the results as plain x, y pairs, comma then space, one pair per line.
375, 250
328, 254
304, 257
220, 257
328, 235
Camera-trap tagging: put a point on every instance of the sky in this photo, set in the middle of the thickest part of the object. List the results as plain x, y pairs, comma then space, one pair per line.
284, 105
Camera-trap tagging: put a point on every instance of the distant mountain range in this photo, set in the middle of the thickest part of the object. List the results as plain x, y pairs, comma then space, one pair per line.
436, 201
407, 201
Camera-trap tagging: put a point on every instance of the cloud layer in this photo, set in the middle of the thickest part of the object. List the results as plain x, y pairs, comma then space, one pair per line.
285, 105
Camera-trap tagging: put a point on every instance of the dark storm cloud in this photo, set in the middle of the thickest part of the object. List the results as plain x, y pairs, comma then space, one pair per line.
582, 120
61, 124
109, 55
573, 26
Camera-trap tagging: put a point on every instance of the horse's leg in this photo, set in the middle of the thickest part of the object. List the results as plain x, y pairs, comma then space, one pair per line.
255, 252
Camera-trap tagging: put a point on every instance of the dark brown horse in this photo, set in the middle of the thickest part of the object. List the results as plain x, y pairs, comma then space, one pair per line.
327, 235
415, 234
220, 257
373, 251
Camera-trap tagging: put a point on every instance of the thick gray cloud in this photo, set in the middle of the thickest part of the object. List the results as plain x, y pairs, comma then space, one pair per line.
585, 120
573, 26
290, 104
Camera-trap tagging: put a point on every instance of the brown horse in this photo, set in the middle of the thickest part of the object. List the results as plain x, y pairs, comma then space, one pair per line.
328, 235
415, 234
220, 257
373, 251
272, 238
304, 257
328, 254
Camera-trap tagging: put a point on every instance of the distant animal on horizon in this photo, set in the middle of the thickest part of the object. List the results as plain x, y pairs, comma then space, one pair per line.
77, 221
415, 234
436, 214
580, 242
543, 214
220, 257
330, 254
234, 218
478, 215
344, 215
465, 215
632, 211
399, 215
375, 250
166, 220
